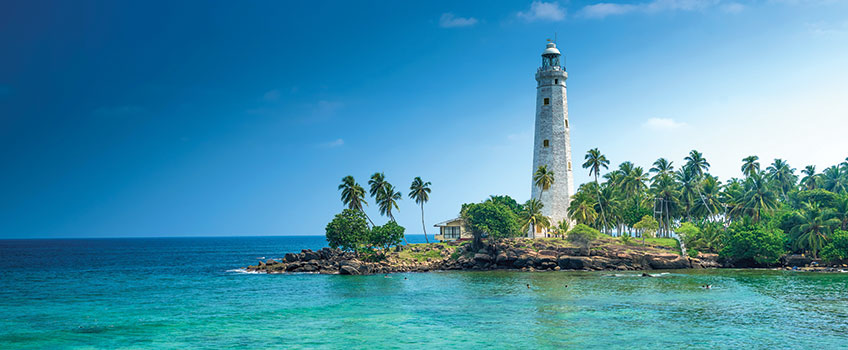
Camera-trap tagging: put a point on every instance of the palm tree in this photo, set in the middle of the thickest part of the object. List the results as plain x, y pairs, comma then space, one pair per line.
835, 180
710, 202
531, 216
666, 193
758, 196
696, 163
595, 160
387, 199
750, 165
662, 167
840, 212
377, 181
816, 224
809, 181
353, 195
782, 175
688, 188
582, 208
543, 179
420, 192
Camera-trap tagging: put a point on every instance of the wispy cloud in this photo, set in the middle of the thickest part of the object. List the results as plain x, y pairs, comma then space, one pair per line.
828, 29
543, 11
449, 20
604, 9
662, 124
117, 111
733, 7
333, 144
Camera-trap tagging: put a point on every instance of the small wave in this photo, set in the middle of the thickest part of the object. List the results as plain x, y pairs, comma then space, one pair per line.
243, 271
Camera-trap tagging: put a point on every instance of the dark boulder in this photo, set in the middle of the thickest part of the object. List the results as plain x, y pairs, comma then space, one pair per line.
290, 257
348, 270
310, 255
574, 262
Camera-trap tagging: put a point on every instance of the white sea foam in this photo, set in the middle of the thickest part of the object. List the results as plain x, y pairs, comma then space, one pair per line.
243, 271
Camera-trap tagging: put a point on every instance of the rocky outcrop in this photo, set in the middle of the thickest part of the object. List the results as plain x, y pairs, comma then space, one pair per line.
522, 254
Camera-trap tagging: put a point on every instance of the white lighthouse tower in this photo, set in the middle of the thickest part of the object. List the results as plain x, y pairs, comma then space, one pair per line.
552, 144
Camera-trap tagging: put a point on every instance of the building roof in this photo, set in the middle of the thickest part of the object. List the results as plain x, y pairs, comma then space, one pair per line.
445, 223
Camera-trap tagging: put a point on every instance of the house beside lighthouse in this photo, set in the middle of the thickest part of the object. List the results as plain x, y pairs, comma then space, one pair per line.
552, 144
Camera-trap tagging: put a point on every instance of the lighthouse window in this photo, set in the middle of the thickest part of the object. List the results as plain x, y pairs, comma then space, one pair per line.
547, 101
569, 165
566, 123
546, 143
556, 81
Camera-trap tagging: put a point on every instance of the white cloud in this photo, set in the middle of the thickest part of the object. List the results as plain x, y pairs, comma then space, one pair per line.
545, 11
662, 124
449, 20
604, 9
733, 7
333, 144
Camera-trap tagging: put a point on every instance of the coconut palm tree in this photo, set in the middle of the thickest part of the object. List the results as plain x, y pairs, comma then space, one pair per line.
782, 175
543, 179
582, 208
816, 224
835, 179
666, 193
759, 196
840, 212
696, 163
810, 179
710, 202
531, 216
662, 167
420, 192
387, 199
353, 195
595, 160
688, 188
750, 165
377, 181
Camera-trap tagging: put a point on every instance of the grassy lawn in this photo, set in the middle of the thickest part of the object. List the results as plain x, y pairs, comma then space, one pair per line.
419, 256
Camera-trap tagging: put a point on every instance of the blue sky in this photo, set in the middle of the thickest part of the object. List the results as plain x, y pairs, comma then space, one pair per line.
197, 118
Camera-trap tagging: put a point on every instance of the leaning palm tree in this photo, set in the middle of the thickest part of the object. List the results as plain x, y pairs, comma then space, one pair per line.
387, 199
696, 162
420, 192
543, 179
353, 195
377, 181
531, 217
595, 160
816, 224
809, 181
750, 165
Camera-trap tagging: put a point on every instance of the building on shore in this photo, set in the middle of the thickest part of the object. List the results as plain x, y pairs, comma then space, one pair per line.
452, 230
552, 143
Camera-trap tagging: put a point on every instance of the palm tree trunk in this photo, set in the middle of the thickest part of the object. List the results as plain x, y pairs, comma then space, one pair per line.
423, 225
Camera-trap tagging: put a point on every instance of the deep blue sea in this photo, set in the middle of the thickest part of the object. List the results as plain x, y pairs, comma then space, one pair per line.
188, 293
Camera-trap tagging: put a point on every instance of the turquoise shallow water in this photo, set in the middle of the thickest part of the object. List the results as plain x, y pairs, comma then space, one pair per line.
178, 294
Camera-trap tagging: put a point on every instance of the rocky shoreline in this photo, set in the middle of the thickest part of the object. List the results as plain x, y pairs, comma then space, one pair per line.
513, 254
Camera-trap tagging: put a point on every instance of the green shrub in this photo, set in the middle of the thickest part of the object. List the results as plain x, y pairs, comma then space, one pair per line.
583, 235
348, 230
492, 219
747, 242
386, 236
837, 249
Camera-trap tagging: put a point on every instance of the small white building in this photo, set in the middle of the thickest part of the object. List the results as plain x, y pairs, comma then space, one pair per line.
452, 230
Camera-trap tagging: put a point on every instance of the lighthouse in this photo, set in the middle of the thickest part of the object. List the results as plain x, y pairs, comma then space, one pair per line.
552, 144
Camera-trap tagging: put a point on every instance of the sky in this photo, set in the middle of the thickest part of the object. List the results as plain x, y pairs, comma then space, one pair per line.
211, 118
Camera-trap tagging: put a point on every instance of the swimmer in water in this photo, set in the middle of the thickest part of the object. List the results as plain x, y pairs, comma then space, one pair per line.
528, 285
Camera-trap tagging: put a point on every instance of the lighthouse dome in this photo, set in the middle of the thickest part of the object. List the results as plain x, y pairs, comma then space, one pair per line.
551, 50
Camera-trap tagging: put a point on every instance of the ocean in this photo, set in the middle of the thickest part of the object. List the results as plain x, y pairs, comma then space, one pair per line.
189, 293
